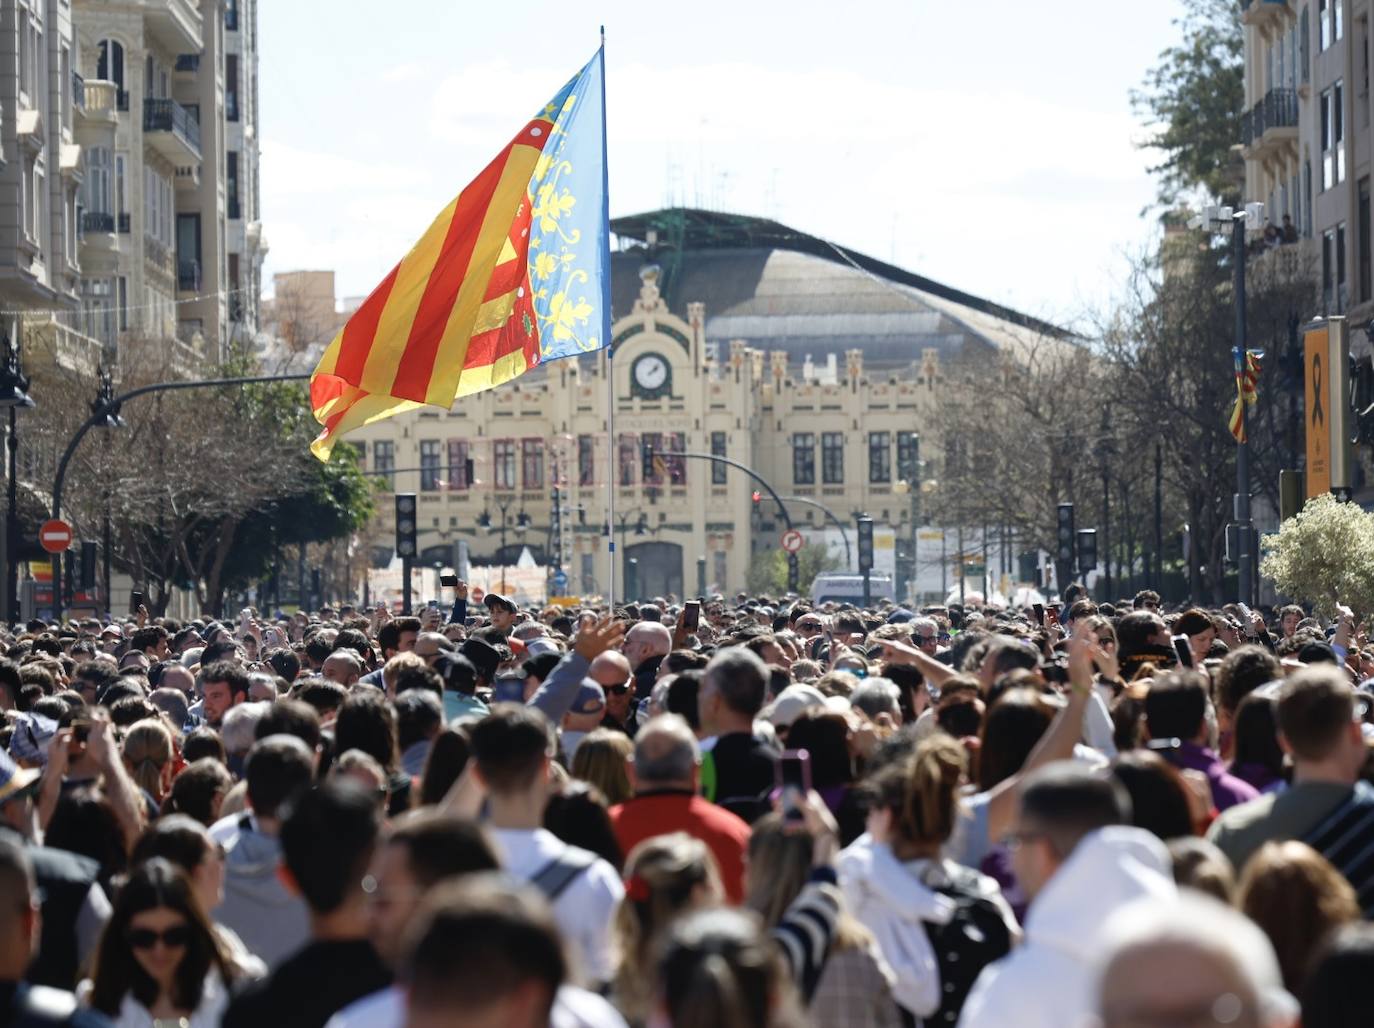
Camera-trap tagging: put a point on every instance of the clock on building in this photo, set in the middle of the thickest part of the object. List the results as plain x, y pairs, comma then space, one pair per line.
650, 377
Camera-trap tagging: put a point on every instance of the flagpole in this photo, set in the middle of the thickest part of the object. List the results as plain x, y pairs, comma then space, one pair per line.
607, 349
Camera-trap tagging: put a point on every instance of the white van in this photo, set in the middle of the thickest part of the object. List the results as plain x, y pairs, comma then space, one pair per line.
848, 587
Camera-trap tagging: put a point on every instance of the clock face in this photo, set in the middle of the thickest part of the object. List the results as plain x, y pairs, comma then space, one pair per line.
651, 373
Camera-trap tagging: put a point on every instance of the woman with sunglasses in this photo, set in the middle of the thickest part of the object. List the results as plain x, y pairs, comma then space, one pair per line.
160, 963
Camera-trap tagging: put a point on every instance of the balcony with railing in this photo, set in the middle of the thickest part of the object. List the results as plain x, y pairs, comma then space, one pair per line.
96, 100
1271, 124
188, 276
170, 130
98, 230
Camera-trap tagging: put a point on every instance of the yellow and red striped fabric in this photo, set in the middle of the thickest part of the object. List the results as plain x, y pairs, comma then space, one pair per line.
458, 315
1247, 391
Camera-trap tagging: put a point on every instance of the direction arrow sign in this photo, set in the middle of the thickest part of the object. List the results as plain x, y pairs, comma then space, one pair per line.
560, 580
55, 536
792, 540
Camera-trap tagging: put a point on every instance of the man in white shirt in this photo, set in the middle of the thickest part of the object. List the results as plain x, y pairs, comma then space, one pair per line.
511, 750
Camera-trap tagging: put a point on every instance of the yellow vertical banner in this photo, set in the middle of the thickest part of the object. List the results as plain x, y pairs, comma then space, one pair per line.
1317, 378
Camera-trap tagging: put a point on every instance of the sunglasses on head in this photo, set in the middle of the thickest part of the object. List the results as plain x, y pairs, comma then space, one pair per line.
175, 937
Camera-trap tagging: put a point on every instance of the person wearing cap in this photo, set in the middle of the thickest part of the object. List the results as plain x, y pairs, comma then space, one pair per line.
460, 686
583, 717
1327, 802
503, 611
790, 704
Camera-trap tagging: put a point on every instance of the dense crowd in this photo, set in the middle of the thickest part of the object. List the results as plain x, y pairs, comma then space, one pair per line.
700, 814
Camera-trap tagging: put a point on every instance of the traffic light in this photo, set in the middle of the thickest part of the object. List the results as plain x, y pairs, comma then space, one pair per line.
1066, 535
865, 543
757, 497
1087, 550
405, 526
88, 550
646, 462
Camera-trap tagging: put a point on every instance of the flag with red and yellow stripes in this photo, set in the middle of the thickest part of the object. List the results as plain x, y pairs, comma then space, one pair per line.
1247, 383
514, 272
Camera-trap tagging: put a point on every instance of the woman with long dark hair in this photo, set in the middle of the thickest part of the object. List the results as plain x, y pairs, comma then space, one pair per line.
159, 960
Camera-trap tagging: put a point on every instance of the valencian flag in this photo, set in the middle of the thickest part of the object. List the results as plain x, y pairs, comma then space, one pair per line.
513, 273
1247, 379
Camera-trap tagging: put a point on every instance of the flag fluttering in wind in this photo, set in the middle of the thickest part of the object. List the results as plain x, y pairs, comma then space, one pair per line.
1247, 381
514, 272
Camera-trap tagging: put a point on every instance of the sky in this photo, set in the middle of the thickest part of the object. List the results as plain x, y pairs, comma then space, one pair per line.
990, 146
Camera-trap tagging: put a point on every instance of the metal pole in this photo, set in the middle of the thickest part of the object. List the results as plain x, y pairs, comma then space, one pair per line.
1106, 520
1159, 518
106, 549
944, 569
1246, 561
12, 527
960, 541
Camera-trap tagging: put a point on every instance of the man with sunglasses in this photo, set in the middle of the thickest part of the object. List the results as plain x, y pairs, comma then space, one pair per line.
611, 671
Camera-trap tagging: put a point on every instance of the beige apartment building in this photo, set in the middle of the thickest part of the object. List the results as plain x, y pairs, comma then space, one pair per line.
172, 245
1307, 139
733, 336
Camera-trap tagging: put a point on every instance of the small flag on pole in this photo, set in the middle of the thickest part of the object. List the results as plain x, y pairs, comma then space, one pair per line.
1247, 382
511, 274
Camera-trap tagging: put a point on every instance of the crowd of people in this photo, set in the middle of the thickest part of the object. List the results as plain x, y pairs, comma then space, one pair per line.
713, 813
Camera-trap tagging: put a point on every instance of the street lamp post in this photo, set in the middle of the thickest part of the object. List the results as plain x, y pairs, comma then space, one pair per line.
1237, 221
1106, 453
14, 393
103, 410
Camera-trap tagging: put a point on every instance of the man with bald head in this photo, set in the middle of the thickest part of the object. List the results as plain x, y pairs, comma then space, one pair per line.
429, 645
666, 774
342, 667
611, 671
646, 644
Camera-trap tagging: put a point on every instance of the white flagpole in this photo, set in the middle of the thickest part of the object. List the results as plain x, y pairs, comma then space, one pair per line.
607, 365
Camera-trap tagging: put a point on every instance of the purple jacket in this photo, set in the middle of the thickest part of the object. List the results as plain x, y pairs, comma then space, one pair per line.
1227, 790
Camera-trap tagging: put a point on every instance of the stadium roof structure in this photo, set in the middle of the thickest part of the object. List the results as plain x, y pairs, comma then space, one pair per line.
779, 288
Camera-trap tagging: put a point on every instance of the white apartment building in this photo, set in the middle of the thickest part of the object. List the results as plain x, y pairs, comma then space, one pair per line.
41, 171
170, 251
1307, 139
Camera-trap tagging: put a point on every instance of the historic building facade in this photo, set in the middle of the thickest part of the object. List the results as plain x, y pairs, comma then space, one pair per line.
739, 339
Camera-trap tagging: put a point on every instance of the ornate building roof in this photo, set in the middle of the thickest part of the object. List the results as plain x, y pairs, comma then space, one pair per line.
780, 289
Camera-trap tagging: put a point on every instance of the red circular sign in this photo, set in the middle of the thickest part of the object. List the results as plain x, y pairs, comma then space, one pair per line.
55, 536
792, 540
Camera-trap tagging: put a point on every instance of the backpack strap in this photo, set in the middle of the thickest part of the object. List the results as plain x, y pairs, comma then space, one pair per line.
554, 877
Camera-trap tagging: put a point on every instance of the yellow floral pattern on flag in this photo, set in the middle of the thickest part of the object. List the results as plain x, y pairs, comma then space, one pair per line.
564, 306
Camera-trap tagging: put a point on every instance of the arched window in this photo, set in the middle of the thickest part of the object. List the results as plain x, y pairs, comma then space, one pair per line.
110, 67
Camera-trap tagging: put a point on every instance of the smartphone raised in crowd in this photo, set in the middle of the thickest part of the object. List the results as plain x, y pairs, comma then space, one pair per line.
448, 581
792, 776
135, 601
691, 615
1040, 614
1184, 650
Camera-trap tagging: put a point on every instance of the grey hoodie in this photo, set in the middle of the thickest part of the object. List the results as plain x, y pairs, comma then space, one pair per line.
272, 923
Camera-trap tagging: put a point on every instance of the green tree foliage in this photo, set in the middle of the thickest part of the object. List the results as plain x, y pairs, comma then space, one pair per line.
1192, 101
768, 570
1324, 556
